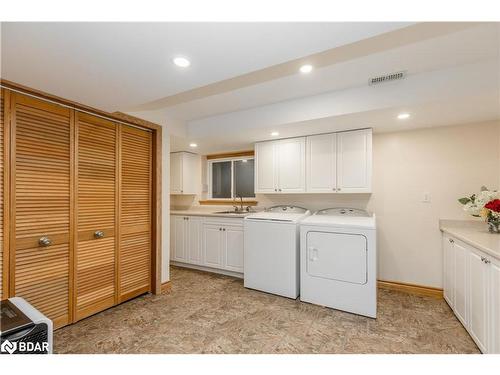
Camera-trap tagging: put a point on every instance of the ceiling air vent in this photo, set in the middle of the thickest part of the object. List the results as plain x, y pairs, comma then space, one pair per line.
387, 78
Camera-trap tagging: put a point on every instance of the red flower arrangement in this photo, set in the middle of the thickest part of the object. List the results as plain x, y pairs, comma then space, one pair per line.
493, 205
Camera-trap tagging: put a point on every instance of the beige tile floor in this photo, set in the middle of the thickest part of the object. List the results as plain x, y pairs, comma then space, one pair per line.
208, 313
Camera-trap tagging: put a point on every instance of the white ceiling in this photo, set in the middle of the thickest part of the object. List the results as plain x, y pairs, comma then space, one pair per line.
115, 66
465, 47
452, 79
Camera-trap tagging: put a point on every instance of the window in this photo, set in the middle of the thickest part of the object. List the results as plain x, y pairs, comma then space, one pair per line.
232, 178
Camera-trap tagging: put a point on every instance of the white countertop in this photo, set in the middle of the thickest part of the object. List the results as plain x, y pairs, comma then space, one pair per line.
213, 213
474, 233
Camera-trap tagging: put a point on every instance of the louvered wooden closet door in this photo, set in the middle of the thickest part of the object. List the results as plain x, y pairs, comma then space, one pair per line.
41, 174
135, 213
2, 193
96, 141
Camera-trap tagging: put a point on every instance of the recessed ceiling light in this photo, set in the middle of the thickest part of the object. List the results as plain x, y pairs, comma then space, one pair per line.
275, 134
193, 145
182, 62
403, 116
306, 68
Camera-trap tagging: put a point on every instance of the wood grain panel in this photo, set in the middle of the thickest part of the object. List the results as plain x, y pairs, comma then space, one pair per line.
2, 150
40, 168
96, 194
135, 212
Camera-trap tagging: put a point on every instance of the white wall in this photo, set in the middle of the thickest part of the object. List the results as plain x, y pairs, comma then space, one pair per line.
165, 206
167, 129
446, 162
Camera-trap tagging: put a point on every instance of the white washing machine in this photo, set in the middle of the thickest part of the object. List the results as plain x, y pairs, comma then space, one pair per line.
271, 250
338, 260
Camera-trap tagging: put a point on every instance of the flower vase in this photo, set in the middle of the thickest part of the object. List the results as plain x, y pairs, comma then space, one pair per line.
494, 226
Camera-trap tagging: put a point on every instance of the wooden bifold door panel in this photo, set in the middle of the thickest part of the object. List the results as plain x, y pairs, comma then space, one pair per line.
76, 208
41, 199
2, 192
135, 213
96, 181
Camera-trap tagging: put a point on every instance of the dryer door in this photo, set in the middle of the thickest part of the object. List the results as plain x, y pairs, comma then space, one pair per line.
337, 256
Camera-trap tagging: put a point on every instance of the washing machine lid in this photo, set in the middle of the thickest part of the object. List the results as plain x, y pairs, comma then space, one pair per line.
342, 217
285, 214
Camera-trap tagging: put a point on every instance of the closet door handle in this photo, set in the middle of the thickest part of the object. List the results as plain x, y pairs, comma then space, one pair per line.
98, 234
45, 241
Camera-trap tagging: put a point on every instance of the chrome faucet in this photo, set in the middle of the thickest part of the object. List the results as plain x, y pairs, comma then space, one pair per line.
236, 208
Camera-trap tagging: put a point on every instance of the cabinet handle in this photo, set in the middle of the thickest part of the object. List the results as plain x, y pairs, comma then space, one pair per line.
98, 234
275, 189
220, 228
224, 229
487, 261
451, 240
338, 189
45, 241
279, 189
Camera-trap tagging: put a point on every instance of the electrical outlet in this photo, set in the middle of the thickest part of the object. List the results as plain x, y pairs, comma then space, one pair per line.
426, 197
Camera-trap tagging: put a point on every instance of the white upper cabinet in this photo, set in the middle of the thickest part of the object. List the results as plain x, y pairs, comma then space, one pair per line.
321, 163
265, 176
280, 166
354, 161
291, 165
325, 163
185, 173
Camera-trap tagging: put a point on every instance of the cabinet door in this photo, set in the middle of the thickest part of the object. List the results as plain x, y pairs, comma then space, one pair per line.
291, 157
41, 204
265, 165
448, 271
212, 245
178, 238
193, 239
135, 213
478, 297
176, 173
354, 161
233, 248
96, 201
494, 307
321, 163
461, 282
191, 173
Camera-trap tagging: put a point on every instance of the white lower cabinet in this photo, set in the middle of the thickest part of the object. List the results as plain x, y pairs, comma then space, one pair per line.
212, 245
460, 282
233, 248
178, 238
185, 239
449, 271
193, 239
472, 289
495, 306
211, 242
478, 298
